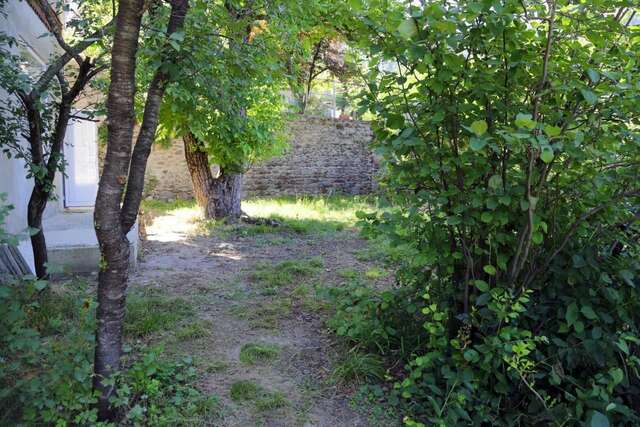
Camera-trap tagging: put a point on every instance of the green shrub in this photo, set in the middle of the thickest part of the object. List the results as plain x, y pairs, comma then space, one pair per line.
509, 137
46, 349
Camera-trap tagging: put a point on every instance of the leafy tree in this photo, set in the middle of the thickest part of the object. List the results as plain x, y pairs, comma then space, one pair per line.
509, 132
320, 46
125, 166
39, 106
226, 104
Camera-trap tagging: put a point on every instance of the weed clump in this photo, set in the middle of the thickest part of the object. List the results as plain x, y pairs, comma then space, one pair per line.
252, 354
262, 399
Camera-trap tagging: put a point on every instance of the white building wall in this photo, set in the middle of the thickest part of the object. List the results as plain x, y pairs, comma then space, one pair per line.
21, 22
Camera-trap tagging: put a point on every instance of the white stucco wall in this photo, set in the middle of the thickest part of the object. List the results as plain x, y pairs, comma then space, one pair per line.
23, 24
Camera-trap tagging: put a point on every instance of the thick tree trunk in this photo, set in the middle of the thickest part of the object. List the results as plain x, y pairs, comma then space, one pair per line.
217, 197
226, 192
114, 247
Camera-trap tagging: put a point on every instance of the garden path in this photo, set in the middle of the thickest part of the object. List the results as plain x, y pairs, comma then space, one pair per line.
257, 285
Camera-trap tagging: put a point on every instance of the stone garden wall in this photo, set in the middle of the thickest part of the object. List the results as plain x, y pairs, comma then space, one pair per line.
326, 156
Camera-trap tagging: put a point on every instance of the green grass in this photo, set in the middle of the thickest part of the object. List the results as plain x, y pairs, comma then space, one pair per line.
357, 367
210, 365
305, 215
275, 276
375, 273
263, 399
194, 330
271, 400
348, 273
319, 214
264, 315
253, 353
149, 312
380, 251
306, 295
224, 230
161, 207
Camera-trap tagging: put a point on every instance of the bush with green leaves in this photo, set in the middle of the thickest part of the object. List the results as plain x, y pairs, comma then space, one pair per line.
46, 354
509, 132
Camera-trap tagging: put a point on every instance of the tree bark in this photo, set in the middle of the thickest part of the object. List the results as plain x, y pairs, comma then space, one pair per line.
114, 246
149, 126
218, 197
112, 222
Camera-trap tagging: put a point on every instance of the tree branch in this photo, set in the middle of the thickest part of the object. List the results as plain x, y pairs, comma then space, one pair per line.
146, 136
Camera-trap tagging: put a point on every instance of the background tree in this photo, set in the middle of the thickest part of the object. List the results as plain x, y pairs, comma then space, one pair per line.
227, 106
124, 167
40, 105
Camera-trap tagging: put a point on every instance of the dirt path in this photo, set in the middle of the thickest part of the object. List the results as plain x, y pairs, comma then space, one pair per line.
244, 295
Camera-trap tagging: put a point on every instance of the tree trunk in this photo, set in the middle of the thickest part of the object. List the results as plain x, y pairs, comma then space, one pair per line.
217, 197
113, 221
35, 209
226, 192
114, 247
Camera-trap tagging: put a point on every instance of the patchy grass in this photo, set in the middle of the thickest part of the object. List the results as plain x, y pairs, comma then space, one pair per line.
307, 215
224, 230
149, 312
210, 365
380, 251
375, 273
263, 315
357, 367
194, 330
271, 400
306, 295
275, 276
348, 273
263, 399
162, 207
254, 353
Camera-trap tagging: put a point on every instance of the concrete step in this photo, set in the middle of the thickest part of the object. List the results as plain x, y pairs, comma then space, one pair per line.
72, 244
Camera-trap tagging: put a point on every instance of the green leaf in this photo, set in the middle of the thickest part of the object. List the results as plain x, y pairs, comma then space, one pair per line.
174, 44
572, 313
588, 312
471, 355
489, 269
477, 144
617, 375
482, 285
627, 276
594, 76
486, 217
589, 96
525, 121
453, 220
407, 28
479, 127
537, 237
598, 419
552, 131
495, 182
546, 155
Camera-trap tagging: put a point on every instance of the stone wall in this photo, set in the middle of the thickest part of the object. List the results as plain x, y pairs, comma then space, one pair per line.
325, 156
